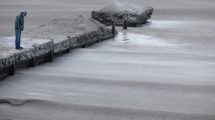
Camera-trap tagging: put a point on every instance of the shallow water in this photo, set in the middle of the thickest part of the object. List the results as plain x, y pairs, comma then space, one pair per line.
163, 70
125, 37
133, 75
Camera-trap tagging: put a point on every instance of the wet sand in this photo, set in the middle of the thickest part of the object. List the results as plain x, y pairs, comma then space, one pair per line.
163, 70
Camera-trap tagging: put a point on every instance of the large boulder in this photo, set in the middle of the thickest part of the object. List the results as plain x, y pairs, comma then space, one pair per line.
117, 12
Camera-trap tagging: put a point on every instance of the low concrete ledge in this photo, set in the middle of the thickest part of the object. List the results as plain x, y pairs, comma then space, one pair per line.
33, 48
86, 39
44, 48
6, 61
63, 45
27, 54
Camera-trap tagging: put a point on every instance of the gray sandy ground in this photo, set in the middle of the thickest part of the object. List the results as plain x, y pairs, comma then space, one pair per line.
161, 71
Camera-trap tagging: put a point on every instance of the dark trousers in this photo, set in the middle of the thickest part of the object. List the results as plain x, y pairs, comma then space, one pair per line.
18, 37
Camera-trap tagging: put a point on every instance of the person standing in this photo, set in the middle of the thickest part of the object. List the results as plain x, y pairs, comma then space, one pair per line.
19, 27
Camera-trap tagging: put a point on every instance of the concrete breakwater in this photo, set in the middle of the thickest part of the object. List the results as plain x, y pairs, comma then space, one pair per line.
37, 50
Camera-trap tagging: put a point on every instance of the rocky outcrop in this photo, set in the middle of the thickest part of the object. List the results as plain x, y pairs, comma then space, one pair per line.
133, 19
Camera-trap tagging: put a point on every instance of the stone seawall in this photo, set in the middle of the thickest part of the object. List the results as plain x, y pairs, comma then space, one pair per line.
45, 50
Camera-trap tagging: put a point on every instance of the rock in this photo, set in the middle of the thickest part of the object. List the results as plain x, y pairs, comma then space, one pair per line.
134, 14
